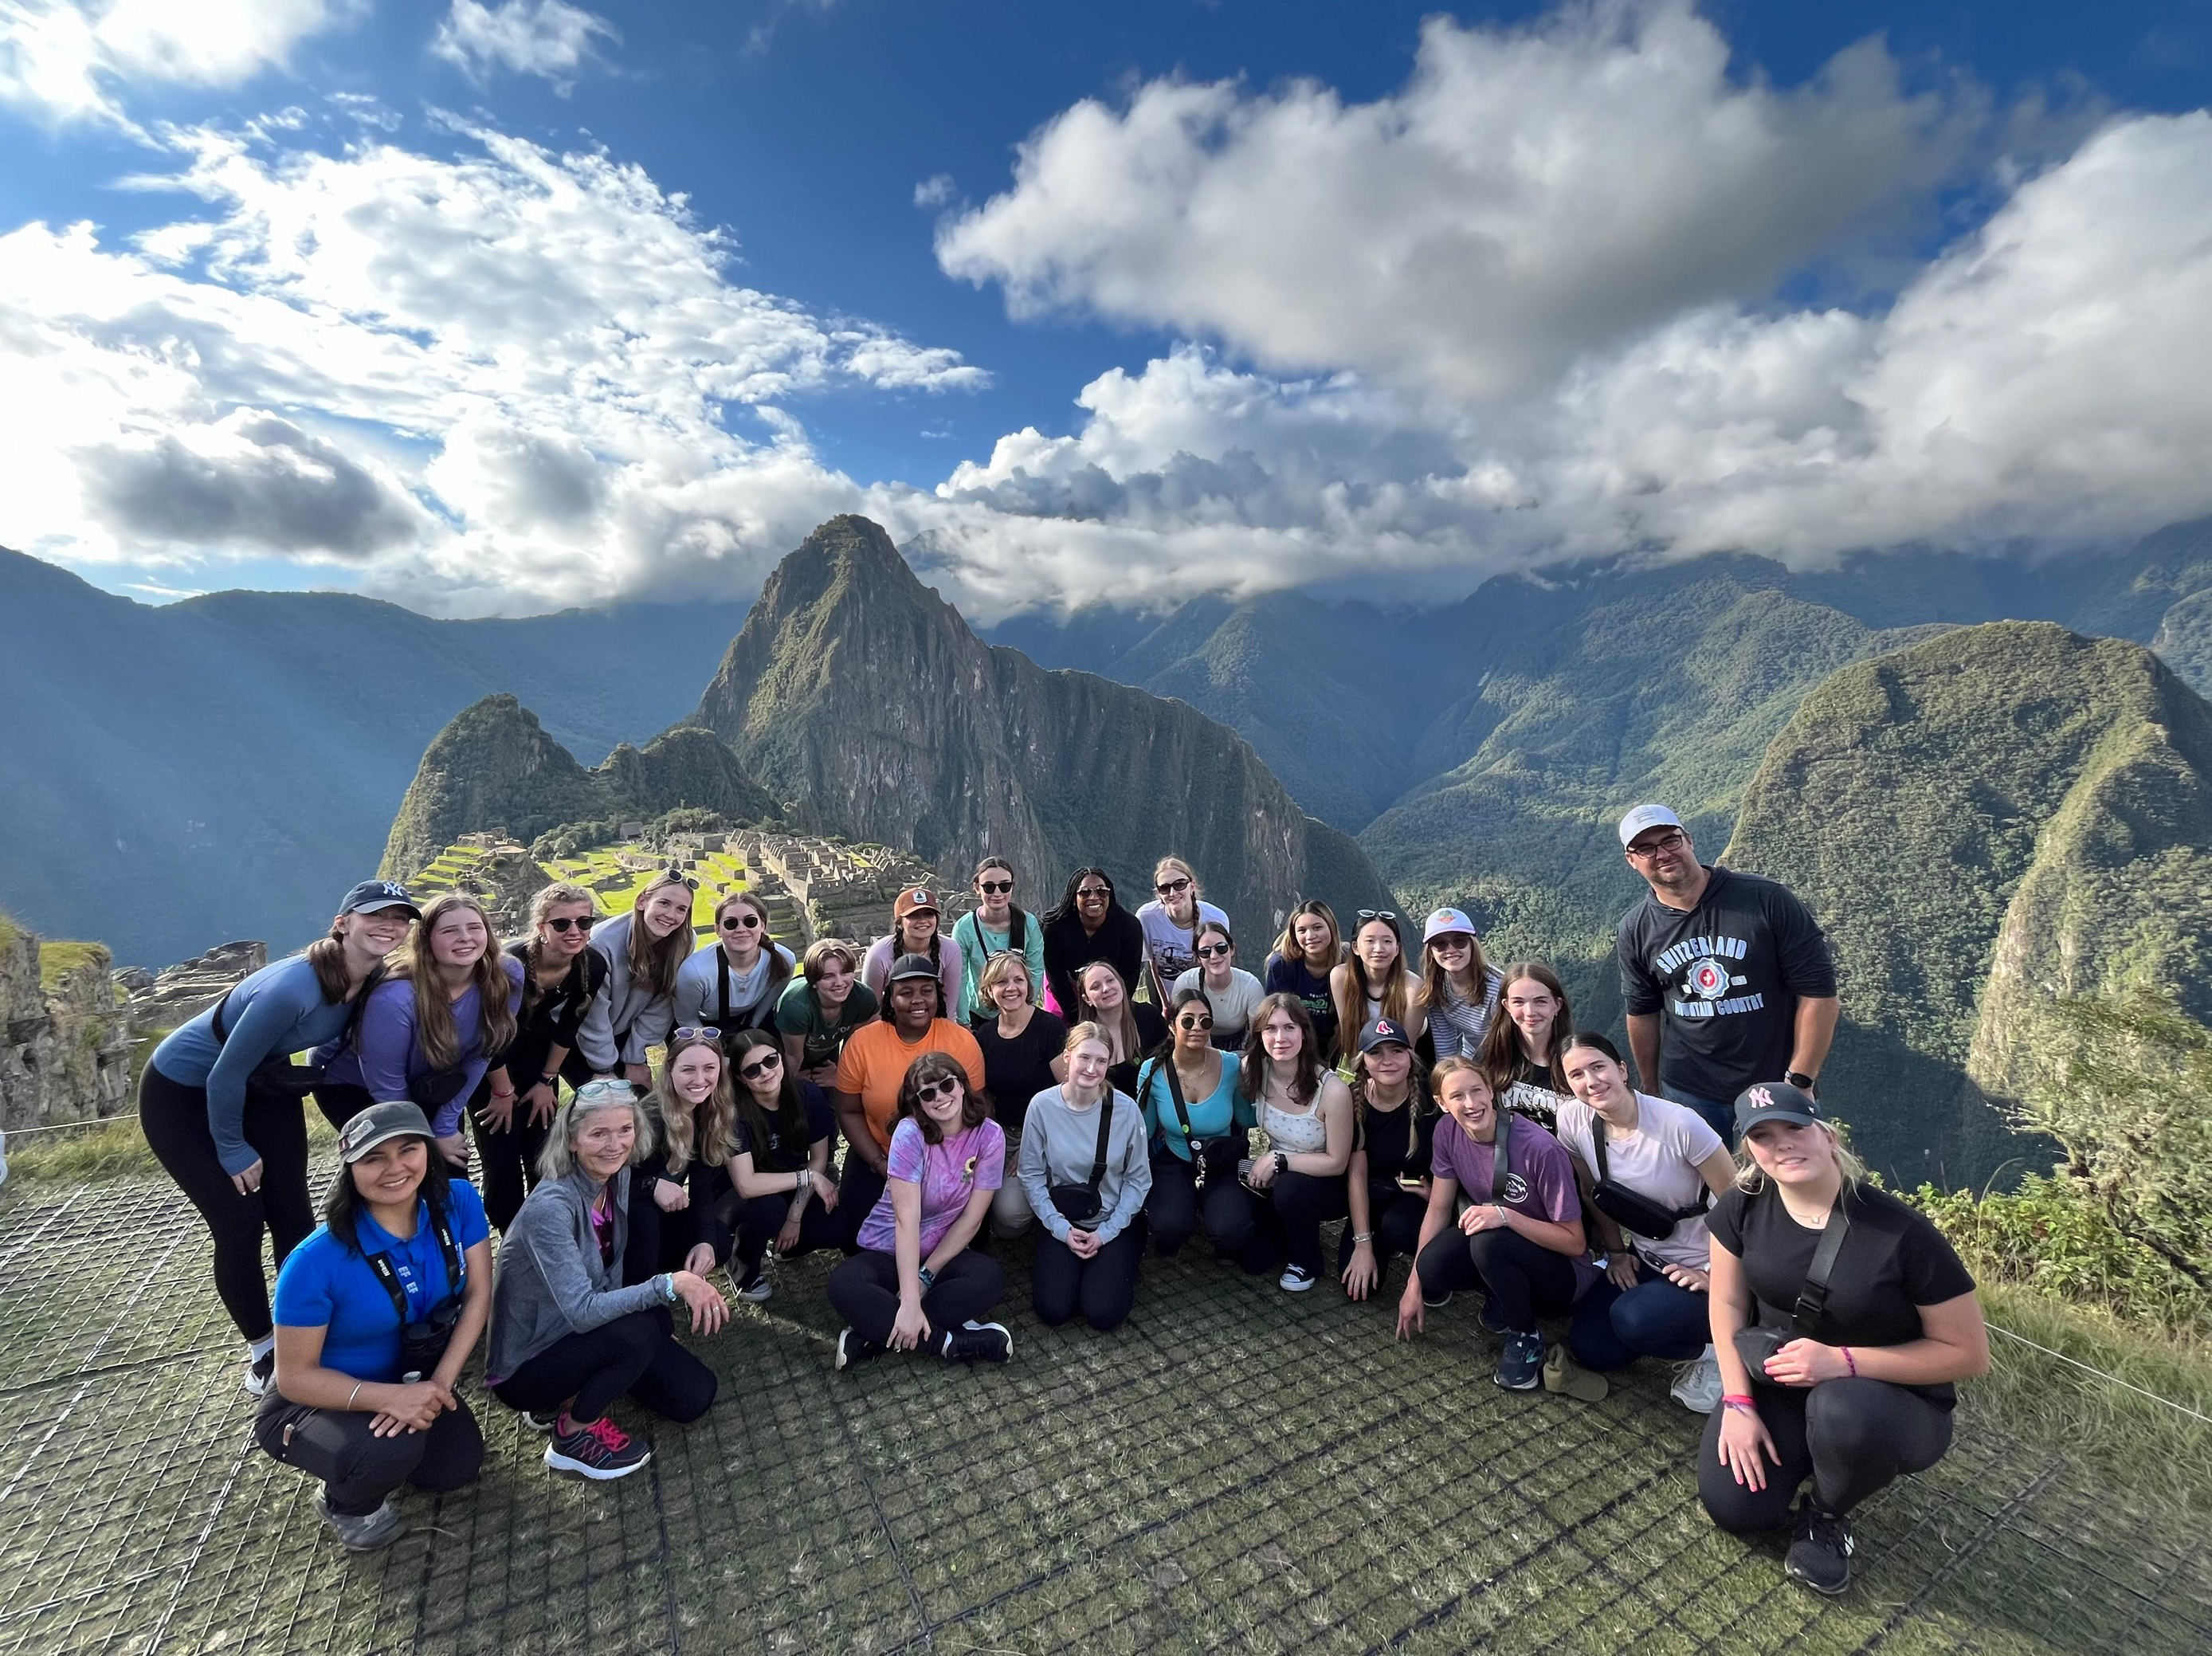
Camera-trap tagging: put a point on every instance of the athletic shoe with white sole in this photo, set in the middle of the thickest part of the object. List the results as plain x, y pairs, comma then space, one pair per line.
1820, 1552
260, 1373
1698, 1388
1521, 1365
978, 1342
851, 1349
599, 1451
368, 1532
759, 1290
1295, 1279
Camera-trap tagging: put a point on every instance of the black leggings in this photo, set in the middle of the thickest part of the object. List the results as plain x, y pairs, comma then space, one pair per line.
1102, 1288
509, 1154
1396, 1216
865, 1290
359, 1469
859, 1189
1302, 1203
636, 1355
174, 1118
759, 1220
1525, 1280
1851, 1437
1176, 1209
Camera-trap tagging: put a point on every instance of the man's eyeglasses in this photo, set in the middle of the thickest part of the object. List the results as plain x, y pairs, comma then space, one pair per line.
994, 887
741, 922
1666, 841
1213, 951
1170, 887
567, 923
928, 1091
768, 1061
696, 1033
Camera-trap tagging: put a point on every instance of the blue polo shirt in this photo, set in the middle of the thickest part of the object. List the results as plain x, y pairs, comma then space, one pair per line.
327, 1285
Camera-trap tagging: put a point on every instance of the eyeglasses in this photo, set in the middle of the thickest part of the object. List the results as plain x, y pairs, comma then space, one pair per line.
928, 1091
1170, 887
568, 923
696, 1033
1194, 1023
994, 887
754, 1071
1666, 841
741, 922
1454, 941
676, 876
1213, 951
1366, 915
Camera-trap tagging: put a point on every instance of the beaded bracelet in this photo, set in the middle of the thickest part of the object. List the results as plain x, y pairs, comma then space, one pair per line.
1850, 1361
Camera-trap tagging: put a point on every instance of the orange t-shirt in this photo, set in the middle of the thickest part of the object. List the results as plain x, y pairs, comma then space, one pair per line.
875, 1063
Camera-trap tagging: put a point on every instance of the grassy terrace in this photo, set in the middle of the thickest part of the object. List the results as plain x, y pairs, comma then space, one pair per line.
1237, 1471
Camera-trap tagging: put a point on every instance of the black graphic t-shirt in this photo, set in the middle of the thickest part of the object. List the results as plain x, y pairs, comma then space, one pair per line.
1726, 979
778, 1157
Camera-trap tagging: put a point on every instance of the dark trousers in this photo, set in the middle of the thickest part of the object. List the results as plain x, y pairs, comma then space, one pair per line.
1396, 1216
1613, 1327
174, 1119
341, 1101
1525, 1281
759, 1219
509, 1156
636, 1355
865, 1289
1230, 1214
660, 1241
1302, 1203
359, 1469
1851, 1437
860, 1187
1101, 1290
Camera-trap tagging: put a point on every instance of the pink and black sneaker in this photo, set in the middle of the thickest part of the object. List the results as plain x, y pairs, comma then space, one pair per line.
600, 1449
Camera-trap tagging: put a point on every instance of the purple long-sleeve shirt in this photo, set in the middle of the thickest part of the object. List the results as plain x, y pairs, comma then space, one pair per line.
387, 1060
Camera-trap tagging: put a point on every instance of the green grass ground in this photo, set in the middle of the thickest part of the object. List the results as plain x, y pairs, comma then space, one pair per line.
1237, 1471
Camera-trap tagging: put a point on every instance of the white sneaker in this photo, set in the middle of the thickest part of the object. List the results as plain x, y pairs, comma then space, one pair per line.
1295, 1279
260, 1373
758, 1292
1698, 1386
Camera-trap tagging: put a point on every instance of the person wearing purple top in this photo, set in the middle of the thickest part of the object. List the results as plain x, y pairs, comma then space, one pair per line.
915, 1285
430, 1031
1524, 1244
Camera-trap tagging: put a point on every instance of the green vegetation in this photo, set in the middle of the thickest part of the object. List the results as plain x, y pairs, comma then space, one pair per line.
99, 1150
56, 960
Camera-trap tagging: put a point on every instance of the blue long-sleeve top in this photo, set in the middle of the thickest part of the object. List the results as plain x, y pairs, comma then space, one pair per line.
279, 1009
387, 1060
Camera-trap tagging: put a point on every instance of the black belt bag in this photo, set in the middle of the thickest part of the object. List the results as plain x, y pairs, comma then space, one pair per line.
1080, 1204
277, 1079
1756, 1344
423, 1339
1632, 1209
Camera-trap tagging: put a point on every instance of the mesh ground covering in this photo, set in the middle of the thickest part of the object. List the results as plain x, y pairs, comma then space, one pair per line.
1236, 1471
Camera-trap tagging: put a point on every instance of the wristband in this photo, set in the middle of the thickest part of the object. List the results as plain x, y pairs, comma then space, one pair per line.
801, 1179
1361, 1236
1850, 1361
549, 1080
667, 1280
1739, 1402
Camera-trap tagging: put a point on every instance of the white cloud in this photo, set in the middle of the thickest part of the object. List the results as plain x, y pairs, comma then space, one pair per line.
934, 191
498, 381
1531, 194
63, 55
546, 38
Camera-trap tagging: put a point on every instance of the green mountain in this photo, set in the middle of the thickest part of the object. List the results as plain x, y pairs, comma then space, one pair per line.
494, 767
861, 694
1986, 823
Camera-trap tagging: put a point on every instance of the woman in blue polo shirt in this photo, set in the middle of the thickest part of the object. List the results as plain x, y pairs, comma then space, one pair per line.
364, 1398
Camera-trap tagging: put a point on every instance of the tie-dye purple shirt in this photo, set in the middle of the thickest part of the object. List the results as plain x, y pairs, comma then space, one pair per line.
949, 1173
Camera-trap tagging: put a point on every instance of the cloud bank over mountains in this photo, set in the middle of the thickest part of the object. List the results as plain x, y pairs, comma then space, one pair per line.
1576, 287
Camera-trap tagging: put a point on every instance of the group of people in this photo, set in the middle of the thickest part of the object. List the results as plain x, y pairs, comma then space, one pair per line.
1089, 1079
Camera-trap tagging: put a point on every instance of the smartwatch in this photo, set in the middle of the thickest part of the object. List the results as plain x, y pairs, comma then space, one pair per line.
668, 1287
1798, 1079
928, 1278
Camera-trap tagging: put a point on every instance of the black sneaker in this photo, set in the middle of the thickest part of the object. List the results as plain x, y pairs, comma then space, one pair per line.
537, 1423
1521, 1365
1493, 1318
978, 1342
851, 1349
600, 1451
1438, 1303
1820, 1551
260, 1373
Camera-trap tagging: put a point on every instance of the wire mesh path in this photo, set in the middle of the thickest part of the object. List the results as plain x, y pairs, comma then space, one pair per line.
1236, 1471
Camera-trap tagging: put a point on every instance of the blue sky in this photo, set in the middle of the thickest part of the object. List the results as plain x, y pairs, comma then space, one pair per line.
1442, 358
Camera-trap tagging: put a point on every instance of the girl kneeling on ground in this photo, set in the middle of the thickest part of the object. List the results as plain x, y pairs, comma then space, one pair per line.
781, 1168
376, 1313
567, 1336
1860, 1315
915, 1284
1199, 1120
1083, 1168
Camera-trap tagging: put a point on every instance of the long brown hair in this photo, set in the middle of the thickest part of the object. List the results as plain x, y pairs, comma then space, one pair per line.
1252, 1063
779, 969
1120, 1033
657, 963
1501, 1052
975, 1103
790, 1124
435, 1031
1287, 944
327, 956
1352, 1000
718, 1142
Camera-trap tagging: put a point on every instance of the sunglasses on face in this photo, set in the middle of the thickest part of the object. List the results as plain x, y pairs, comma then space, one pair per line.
696, 1033
769, 1060
929, 1092
1213, 951
1085, 893
994, 887
1454, 941
1194, 1023
568, 923
741, 922
1170, 887
1366, 915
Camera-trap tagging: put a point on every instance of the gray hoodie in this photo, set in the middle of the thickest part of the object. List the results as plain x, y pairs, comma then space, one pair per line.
1059, 1146
623, 1005
551, 1282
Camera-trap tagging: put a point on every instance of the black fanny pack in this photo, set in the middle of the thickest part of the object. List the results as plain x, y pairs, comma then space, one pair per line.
1080, 1204
1760, 1341
277, 1079
1632, 1209
434, 1087
423, 1339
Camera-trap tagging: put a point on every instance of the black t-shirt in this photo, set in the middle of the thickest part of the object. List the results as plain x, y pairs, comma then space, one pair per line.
1382, 1135
1294, 977
778, 1157
1531, 1091
1152, 1032
1727, 976
550, 1017
1893, 1261
1016, 1071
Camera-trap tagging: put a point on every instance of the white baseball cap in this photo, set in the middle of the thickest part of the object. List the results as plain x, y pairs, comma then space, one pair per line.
1442, 922
1646, 817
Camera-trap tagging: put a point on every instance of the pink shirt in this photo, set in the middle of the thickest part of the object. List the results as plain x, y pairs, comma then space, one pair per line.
949, 1173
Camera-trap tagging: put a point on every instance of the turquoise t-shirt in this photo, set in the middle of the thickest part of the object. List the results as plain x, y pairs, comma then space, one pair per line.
325, 1284
978, 944
1220, 1113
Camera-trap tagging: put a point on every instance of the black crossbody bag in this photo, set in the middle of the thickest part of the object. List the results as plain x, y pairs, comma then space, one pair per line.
423, 1339
1079, 1204
1630, 1209
1202, 1151
1756, 1344
276, 1078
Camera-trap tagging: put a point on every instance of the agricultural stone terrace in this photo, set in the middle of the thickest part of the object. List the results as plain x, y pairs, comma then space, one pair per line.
1234, 1471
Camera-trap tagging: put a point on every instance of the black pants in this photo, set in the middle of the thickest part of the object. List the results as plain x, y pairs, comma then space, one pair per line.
1396, 1217
865, 1290
1304, 1202
859, 1189
359, 1469
1525, 1281
759, 1219
661, 1241
636, 1355
341, 1101
1230, 1214
508, 1155
174, 1118
1101, 1290
1851, 1437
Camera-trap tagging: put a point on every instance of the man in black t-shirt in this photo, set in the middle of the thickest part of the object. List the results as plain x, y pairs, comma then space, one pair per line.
1726, 977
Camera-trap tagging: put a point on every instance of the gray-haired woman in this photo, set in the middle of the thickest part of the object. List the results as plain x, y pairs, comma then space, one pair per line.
566, 1338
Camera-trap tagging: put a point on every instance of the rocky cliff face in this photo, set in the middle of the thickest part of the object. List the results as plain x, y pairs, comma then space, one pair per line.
64, 1038
859, 694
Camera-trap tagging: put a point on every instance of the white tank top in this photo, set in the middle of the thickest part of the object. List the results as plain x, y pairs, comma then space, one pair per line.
1298, 1135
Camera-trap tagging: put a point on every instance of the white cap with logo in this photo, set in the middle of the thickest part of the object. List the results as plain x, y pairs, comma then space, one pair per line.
1643, 818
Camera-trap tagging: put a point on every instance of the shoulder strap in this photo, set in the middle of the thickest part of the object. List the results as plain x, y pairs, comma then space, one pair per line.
1017, 933
1501, 1156
1105, 1130
722, 987
1813, 1297
1175, 1092
380, 1262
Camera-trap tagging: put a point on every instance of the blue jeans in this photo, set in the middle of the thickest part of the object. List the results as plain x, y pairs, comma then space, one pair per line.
1721, 1118
1612, 1328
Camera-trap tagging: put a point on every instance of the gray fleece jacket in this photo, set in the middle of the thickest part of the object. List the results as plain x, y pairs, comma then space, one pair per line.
551, 1282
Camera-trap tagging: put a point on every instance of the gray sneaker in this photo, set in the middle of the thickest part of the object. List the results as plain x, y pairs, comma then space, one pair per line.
369, 1532
758, 1292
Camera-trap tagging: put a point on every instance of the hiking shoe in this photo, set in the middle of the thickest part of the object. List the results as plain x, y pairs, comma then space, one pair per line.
260, 1373
759, 1290
1295, 1279
851, 1349
1493, 1319
978, 1342
1698, 1386
1564, 1375
1522, 1365
1820, 1552
599, 1451
369, 1532
537, 1423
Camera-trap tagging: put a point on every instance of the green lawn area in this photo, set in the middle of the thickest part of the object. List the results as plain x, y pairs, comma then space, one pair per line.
1236, 1471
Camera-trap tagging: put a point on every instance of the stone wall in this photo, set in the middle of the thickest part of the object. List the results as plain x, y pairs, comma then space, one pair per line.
64, 1035
178, 994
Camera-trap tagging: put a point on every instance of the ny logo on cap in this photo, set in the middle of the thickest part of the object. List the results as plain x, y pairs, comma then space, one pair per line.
392, 888
1761, 1098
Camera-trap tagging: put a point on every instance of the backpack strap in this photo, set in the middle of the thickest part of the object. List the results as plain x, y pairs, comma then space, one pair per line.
1813, 1297
1105, 1131
1018, 932
1501, 1156
380, 1262
722, 987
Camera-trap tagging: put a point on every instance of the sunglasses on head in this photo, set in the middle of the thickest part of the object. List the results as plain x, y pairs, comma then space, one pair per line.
568, 923
994, 887
679, 877
696, 1033
929, 1091
1170, 887
1213, 951
741, 922
1390, 915
754, 1071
